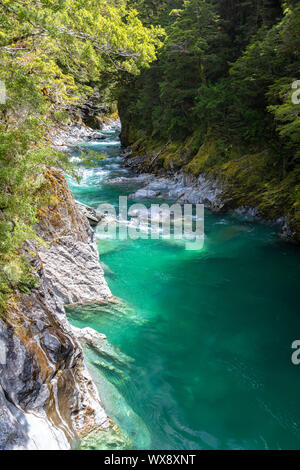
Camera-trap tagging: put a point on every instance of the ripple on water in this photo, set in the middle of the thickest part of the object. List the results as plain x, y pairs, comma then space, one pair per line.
210, 333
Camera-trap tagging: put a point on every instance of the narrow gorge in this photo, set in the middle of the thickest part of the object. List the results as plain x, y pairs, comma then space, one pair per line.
179, 373
130, 391
149, 226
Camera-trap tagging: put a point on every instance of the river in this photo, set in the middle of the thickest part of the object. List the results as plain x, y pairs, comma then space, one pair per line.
209, 331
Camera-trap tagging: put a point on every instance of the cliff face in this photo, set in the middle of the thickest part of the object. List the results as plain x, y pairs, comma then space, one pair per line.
71, 262
47, 397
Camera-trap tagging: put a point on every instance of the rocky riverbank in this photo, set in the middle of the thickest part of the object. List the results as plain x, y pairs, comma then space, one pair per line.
156, 180
48, 399
66, 138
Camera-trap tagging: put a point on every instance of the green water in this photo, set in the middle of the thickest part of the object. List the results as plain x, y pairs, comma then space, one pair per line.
210, 332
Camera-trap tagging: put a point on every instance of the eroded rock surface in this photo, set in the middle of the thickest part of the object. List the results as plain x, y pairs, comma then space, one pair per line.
93, 216
183, 188
180, 186
47, 397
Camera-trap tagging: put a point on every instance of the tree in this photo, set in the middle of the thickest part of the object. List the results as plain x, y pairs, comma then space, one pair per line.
50, 53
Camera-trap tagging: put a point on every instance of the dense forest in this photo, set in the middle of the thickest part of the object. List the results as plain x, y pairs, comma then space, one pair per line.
53, 55
222, 98
213, 82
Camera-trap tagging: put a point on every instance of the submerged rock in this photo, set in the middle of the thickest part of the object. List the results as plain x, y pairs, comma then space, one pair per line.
112, 439
228, 233
97, 341
107, 271
118, 407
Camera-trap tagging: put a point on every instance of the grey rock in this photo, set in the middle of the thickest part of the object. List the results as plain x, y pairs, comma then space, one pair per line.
93, 216
70, 136
47, 397
144, 194
123, 180
98, 341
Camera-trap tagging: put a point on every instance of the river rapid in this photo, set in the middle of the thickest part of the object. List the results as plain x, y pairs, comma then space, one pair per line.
207, 334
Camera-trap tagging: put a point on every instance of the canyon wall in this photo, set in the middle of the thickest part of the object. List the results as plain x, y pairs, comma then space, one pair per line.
47, 397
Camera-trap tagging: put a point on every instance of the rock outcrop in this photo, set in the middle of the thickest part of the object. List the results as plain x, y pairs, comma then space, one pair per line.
184, 187
181, 187
47, 397
93, 216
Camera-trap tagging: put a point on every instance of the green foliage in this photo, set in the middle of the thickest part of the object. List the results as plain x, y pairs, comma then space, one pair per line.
52, 55
224, 78
189, 89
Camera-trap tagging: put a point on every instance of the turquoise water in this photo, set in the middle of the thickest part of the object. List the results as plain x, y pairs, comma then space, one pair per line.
210, 332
